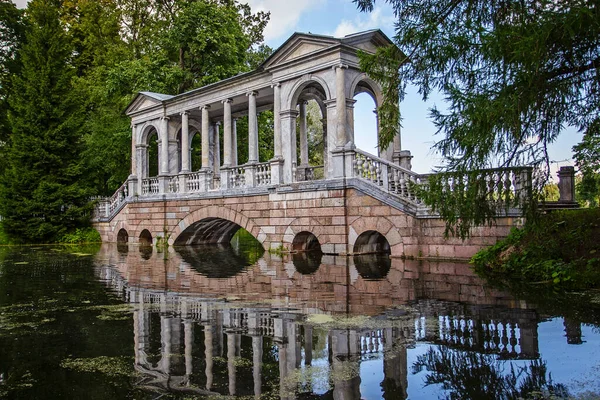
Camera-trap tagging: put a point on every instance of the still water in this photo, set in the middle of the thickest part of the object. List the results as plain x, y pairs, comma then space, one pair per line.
130, 322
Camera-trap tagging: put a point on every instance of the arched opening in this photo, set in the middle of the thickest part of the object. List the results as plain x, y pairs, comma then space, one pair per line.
311, 132
306, 241
122, 236
310, 140
196, 152
145, 238
218, 248
152, 154
371, 242
365, 121
210, 230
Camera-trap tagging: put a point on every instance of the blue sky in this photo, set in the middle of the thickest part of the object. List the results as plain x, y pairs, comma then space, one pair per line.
341, 17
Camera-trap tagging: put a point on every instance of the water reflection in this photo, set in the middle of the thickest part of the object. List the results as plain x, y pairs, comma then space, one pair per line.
209, 322
373, 266
307, 262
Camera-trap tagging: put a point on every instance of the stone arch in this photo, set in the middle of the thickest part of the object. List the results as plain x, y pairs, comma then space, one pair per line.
362, 83
144, 132
213, 214
145, 238
122, 236
300, 85
117, 225
304, 224
306, 241
371, 241
381, 225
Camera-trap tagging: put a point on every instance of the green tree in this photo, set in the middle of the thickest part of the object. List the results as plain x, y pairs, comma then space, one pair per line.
514, 74
41, 192
11, 36
166, 46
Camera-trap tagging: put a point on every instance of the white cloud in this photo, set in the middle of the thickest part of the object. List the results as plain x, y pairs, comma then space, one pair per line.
21, 3
379, 18
284, 15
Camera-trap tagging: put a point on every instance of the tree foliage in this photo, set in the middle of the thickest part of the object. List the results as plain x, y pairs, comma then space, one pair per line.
513, 73
75, 76
41, 189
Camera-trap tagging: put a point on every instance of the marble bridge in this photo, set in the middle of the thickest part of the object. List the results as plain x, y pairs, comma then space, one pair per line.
188, 185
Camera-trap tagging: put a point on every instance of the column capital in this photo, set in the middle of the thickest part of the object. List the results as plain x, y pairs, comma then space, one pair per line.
184, 113
330, 103
163, 118
218, 123
275, 84
252, 93
289, 113
204, 107
340, 65
227, 101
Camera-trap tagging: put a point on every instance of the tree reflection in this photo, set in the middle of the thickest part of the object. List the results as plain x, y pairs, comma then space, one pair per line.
471, 375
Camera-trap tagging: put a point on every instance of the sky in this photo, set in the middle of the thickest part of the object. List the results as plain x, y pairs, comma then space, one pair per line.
341, 17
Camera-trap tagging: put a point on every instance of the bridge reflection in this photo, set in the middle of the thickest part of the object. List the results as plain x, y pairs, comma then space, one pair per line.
282, 325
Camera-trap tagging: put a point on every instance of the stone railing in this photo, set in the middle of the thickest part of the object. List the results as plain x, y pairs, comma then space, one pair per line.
263, 174
310, 173
150, 186
174, 184
390, 177
117, 198
501, 185
236, 176
106, 206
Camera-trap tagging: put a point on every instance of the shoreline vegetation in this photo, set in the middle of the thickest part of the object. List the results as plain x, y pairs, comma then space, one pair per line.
560, 249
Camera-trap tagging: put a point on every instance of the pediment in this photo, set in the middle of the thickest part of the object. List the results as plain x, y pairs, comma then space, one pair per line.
146, 100
300, 45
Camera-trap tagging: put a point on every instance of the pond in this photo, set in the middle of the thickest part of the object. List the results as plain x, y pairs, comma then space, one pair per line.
120, 322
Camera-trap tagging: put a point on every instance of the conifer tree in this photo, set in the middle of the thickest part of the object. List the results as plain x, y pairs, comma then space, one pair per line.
41, 194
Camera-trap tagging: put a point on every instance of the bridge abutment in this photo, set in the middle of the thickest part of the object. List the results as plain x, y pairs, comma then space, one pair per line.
336, 217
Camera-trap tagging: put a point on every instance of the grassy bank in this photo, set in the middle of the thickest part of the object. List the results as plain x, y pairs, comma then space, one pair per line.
79, 236
562, 248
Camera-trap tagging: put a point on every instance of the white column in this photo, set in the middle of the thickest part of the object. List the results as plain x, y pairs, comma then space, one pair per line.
164, 146
277, 120
234, 157
185, 142
134, 170
340, 97
257, 355
189, 342
303, 135
227, 133
231, 362
288, 143
208, 355
252, 128
216, 148
205, 138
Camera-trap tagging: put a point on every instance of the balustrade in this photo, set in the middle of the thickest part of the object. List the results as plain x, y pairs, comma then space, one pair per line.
150, 186
310, 173
174, 184
502, 186
263, 174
